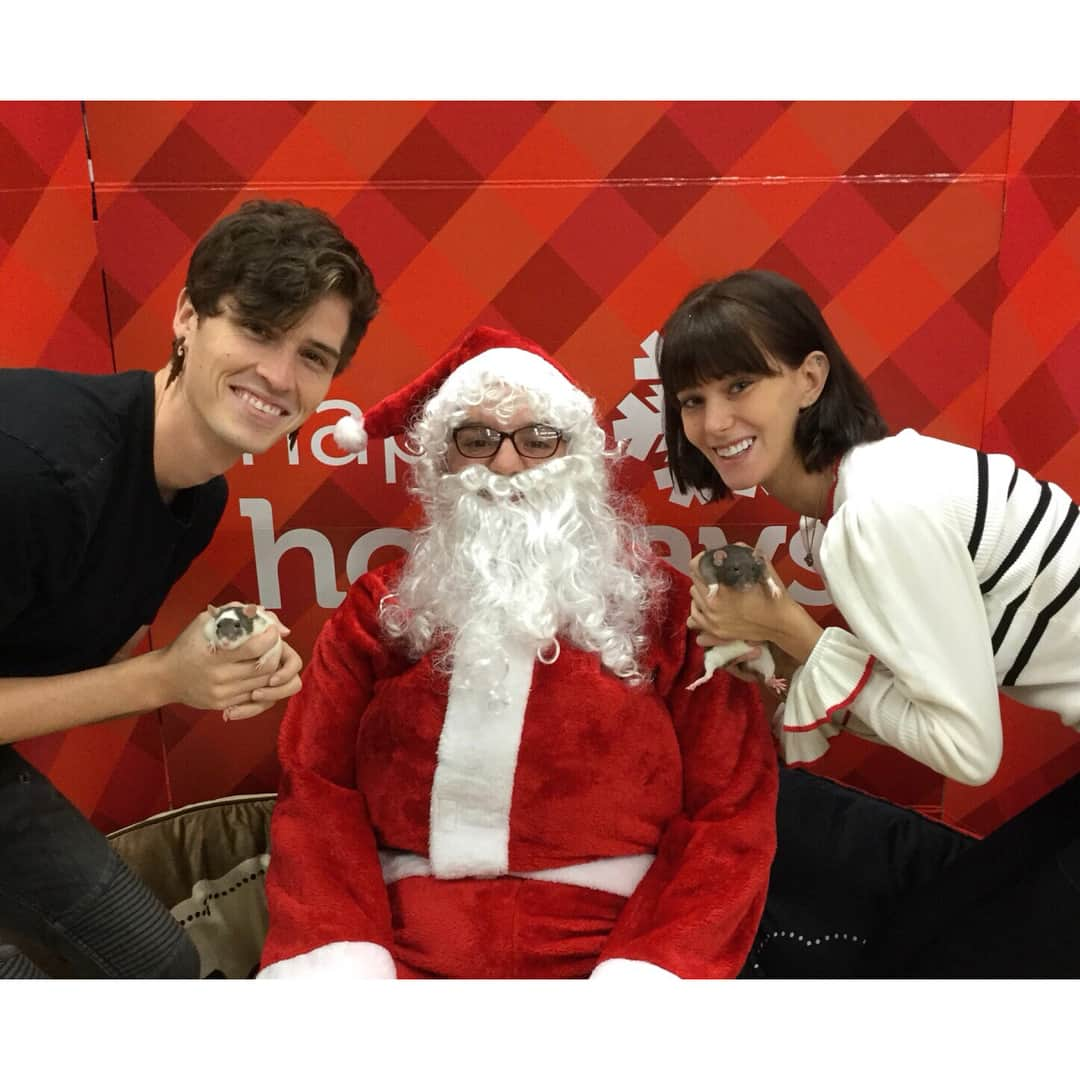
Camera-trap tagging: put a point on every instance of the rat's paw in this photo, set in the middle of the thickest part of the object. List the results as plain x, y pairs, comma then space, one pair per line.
271, 659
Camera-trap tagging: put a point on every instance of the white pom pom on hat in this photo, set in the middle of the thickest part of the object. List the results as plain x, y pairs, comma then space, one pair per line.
349, 433
501, 353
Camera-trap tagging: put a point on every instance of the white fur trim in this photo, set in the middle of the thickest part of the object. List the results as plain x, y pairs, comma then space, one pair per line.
474, 777
350, 435
338, 960
619, 874
516, 367
634, 970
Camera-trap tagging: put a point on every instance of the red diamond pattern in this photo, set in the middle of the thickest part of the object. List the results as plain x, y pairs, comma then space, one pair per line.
565, 300
483, 134
376, 225
979, 296
838, 236
44, 130
951, 275
940, 376
899, 399
426, 178
904, 150
1038, 418
723, 137
198, 203
963, 129
244, 135
23, 184
664, 151
603, 240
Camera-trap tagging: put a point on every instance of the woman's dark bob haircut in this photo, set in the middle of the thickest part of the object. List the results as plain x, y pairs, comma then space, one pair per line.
748, 323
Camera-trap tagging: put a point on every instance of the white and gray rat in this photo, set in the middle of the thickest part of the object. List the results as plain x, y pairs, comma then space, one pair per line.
231, 625
738, 567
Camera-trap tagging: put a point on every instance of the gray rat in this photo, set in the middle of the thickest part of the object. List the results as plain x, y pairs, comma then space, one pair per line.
738, 567
230, 626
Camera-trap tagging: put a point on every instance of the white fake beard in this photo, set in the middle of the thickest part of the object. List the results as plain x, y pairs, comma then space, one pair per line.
523, 558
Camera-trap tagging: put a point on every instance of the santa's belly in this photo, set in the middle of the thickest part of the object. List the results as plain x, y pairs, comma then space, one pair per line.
500, 928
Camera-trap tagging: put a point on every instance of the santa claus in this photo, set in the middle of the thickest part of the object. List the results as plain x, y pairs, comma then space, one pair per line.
495, 768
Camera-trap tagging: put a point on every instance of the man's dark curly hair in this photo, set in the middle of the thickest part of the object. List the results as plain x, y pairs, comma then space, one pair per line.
274, 260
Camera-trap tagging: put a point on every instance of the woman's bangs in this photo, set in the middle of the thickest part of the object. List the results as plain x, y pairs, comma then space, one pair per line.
703, 346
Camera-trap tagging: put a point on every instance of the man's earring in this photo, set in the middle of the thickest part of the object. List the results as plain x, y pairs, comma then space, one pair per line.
176, 360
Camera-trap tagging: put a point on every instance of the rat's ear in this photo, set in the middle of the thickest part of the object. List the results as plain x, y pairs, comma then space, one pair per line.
719, 555
213, 610
250, 609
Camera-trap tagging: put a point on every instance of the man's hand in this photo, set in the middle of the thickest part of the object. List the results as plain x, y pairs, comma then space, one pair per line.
283, 684
228, 680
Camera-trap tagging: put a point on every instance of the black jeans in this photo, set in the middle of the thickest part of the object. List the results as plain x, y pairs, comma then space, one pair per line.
1007, 908
63, 887
845, 861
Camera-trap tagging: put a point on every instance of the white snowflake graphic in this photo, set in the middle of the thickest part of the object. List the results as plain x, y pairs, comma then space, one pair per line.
641, 424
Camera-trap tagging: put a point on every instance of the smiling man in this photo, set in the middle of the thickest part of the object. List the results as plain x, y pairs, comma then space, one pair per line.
112, 485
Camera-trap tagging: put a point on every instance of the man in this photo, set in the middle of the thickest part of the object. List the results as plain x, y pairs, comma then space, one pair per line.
495, 768
111, 486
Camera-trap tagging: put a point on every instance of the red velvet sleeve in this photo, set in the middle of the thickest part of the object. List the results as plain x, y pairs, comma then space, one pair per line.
324, 884
697, 909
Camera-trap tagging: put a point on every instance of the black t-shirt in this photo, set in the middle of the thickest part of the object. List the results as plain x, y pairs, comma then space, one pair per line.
88, 549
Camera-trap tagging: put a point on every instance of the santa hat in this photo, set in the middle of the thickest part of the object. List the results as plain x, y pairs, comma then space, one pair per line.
499, 354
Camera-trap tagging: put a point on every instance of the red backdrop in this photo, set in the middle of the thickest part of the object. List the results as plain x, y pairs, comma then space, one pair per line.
941, 239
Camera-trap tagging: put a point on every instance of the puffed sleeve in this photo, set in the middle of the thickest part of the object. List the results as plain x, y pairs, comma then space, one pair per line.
695, 913
916, 669
328, 907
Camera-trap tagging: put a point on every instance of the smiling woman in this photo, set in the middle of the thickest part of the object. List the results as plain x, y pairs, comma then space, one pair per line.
756, 349
741, 423
956, 572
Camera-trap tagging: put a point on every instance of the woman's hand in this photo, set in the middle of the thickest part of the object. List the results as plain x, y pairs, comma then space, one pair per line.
751, 615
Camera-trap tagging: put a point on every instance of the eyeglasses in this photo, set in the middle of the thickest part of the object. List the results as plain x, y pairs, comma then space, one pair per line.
534, 441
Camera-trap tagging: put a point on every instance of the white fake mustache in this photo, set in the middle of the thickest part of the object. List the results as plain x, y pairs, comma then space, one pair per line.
480, 481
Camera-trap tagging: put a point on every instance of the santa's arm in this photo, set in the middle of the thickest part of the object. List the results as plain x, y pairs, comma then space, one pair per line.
696, 911
328, 907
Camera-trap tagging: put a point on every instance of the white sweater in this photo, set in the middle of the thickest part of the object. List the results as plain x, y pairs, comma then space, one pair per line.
958, 573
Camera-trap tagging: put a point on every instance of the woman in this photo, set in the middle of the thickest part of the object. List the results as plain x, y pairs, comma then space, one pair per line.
957, 572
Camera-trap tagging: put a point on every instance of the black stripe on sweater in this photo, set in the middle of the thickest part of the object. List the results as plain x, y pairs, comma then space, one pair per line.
1052, 549
980, 506
1022, 540
1039, 628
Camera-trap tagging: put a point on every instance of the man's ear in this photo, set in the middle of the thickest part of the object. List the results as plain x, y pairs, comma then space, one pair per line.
186, 317
814, 372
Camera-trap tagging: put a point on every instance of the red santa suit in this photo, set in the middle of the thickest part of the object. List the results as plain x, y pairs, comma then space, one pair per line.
577, 826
